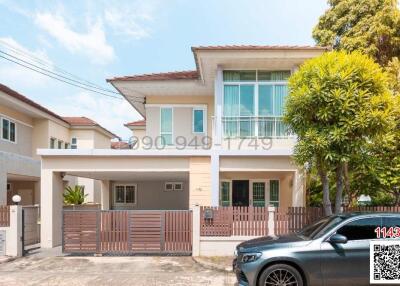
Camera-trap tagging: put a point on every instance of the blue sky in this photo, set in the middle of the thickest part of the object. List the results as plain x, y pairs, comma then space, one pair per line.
96, 40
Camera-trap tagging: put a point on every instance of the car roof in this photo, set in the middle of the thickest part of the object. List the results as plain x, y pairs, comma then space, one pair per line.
369, 214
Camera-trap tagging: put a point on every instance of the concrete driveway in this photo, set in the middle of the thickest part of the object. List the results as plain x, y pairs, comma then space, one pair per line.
149, 271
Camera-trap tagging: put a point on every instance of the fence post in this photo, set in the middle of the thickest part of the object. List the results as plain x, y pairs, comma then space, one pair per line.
196, 231
14, 232
271, 220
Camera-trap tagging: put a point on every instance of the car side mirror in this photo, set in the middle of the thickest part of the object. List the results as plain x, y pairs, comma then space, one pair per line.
338, 239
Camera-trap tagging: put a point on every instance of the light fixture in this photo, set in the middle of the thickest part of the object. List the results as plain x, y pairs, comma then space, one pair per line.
16, 199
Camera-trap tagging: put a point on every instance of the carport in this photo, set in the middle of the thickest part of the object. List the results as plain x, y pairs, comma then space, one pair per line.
159, 182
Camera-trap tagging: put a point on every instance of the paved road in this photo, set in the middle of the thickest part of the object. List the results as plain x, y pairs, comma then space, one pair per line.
148, 271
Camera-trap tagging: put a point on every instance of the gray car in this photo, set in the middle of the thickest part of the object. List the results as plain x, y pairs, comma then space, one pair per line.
333, 251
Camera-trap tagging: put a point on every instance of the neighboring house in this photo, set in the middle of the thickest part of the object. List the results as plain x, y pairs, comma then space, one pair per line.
26, 126
212, 136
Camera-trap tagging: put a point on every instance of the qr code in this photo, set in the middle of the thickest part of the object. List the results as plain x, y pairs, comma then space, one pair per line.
384, 262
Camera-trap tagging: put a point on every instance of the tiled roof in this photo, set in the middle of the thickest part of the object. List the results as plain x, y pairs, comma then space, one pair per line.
176, 75
254, 47
119, 145
136, 123
28, 101
84, 121
194, 74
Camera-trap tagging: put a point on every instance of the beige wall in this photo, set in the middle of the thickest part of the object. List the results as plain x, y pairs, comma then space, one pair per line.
182, 115
200, 181
17, 115
26, 189
151, 196
101, 141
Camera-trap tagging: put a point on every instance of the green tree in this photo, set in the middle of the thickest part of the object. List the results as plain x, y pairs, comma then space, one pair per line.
393, 71
74, 195
337, 104
369, 26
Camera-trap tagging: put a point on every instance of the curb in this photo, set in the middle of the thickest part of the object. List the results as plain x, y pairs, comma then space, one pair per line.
211, 265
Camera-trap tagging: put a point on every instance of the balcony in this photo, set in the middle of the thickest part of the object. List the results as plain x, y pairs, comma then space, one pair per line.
254, 127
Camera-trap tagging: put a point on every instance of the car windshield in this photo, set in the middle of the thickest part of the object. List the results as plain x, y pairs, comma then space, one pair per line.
320, 227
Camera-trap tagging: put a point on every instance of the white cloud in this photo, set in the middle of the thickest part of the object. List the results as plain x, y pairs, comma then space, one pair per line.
130, 20
15, 75
91, 43
110, 113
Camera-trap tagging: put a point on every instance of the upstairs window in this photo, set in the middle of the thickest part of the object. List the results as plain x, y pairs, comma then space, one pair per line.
9, 131
166, 125
198, 120
74, 143
59, 144
66, 146
52, 143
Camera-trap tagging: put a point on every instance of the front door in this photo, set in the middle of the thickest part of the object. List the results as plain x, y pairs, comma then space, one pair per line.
240, 193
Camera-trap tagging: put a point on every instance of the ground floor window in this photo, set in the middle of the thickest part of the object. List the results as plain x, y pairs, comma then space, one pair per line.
274, 193
257, 193
125, 194
225, 195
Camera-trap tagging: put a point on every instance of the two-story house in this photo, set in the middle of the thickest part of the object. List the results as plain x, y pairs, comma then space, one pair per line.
212, 136
27, 126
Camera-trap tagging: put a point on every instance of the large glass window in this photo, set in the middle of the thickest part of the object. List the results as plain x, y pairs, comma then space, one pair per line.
361, 229
74, 143
198, 120
243, 92
166, 125
8, 130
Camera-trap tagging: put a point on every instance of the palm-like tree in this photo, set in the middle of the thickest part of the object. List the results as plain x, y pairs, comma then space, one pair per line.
74, 195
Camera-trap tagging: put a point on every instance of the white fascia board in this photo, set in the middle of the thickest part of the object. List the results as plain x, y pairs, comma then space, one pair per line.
114, 152
161, 153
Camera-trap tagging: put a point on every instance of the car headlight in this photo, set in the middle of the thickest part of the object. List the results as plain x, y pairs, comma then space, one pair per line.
250, 257
235, 253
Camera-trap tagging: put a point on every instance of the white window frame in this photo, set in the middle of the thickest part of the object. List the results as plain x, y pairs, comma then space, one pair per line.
266, 190
9, 130
204, 110
279, 192
173, 186
230, 191
115, 196
172, 125
72, 145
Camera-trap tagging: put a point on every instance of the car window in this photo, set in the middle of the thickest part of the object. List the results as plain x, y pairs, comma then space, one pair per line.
391, 222
320, 227
361, 229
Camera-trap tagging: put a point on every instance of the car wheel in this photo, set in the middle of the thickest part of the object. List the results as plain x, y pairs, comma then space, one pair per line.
280, 275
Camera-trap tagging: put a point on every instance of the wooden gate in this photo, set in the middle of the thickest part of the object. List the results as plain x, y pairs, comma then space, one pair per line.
127, 232
31, 226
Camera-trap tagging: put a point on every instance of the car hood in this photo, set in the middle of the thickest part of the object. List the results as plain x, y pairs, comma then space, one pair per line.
268, 242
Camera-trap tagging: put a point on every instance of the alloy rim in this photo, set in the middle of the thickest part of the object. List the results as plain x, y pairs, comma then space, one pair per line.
281, 277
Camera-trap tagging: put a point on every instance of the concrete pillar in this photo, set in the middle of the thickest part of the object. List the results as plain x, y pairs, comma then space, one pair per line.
3, 188
51, 190
214, 179
218, 95
271, 221
196, 231
105, 194
14, 232
298, 190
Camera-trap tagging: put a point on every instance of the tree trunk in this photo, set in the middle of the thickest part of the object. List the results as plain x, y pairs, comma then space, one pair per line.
325, 190
339, 188
347, 182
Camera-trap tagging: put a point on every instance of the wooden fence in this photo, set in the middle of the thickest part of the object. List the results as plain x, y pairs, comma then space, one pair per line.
4, 216
234, 221
253, 221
